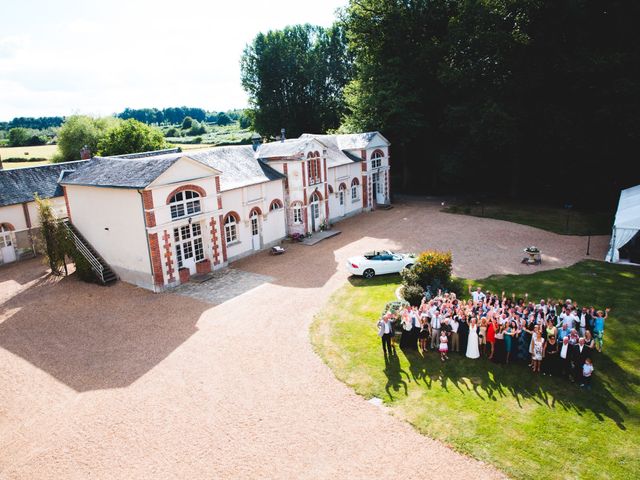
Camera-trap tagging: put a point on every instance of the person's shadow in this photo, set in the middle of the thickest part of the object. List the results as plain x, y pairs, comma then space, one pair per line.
394, 372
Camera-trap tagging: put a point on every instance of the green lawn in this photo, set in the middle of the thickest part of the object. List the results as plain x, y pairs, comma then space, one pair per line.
528, 426
553, 219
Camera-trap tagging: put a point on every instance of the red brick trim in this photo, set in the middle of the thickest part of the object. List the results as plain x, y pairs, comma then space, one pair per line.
276, 201
232, 214
167, 255
217, 183
365, 193
324, 162
326, 203
223, 239
8, 226
378, 152
342, 186
182, 188
147, 203
286, 176
319, 195
304, 177
363, 155
355, 181
156, 259
214, 241
256, 210
27, 217
66, 201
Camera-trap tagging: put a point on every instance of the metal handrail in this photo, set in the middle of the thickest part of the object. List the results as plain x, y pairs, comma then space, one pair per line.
96, 266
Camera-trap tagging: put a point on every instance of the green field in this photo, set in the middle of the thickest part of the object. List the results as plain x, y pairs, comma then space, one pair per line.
554, 219
529, 426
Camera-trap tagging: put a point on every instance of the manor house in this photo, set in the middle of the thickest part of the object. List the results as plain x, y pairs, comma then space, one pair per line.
155, 218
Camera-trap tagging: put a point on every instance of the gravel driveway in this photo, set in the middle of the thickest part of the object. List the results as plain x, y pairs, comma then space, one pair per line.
117, 382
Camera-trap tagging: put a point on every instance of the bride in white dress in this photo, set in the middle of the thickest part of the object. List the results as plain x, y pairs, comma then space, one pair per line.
472, 343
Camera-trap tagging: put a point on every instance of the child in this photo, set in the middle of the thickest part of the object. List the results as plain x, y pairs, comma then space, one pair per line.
587, 371
443, 346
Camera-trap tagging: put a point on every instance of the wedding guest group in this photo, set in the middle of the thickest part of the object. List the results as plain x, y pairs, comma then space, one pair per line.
552, 337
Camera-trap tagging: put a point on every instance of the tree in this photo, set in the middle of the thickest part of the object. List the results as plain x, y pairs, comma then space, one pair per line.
223, 119
295, 79
55, 237
18, 137
187, 123
131, 136
80, 130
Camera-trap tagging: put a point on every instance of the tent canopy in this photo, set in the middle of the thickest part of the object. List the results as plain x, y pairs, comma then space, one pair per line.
627, 222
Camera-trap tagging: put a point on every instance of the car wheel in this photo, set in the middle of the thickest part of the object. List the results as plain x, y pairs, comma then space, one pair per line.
369, 273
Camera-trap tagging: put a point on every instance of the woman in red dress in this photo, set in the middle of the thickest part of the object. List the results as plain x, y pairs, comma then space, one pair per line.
491, 335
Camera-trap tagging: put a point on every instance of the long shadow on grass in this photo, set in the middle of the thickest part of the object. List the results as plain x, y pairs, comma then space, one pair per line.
490, 382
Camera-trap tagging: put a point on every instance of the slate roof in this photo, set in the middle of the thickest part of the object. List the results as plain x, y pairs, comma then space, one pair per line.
120, 172
289, 148
335, 155
238, 164
19, 184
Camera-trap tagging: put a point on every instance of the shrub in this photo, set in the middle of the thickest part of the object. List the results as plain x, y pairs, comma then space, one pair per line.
187, 123
412, 294
83, 267
172, 132
432, 266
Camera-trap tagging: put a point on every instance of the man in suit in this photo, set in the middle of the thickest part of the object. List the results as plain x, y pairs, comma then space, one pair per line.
579, 354
565, 356
584, 321
385, 332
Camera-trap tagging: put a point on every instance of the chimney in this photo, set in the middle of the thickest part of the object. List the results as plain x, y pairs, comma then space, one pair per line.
256, 140
282, 136
85, 153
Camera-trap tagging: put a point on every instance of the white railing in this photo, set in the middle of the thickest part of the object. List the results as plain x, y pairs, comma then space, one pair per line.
96, 266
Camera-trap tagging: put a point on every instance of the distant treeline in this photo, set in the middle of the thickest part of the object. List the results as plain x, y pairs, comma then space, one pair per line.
150, 116
175, 115
39, 123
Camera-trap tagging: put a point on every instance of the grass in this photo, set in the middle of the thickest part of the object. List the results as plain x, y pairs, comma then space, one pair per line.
40, 151
528, 426
549, 218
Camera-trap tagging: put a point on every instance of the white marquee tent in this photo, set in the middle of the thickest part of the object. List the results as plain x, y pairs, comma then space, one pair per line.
627, 222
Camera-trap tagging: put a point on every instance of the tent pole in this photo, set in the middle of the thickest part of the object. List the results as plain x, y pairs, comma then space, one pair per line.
613, 244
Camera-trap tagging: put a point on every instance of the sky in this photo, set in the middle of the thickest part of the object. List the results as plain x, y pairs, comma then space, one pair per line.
98, 57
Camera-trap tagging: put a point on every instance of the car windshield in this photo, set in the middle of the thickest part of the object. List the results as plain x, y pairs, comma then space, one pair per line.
397, 257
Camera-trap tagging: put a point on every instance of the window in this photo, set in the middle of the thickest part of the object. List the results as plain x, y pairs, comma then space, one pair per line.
314, 167
254, 225
188, 240
184, 203
315, 211
354, 189
275, 205
297, 213
376, 159
231, 229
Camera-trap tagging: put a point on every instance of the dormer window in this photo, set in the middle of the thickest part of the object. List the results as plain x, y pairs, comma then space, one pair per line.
184, 203
314, 168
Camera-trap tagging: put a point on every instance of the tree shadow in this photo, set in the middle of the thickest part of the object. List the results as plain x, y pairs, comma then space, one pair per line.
91, 337
491, 382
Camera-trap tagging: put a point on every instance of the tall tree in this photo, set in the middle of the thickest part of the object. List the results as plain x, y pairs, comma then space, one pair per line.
131, 136
79, 131
295, 79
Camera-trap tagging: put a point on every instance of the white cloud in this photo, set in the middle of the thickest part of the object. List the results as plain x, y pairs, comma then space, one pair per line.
100, 58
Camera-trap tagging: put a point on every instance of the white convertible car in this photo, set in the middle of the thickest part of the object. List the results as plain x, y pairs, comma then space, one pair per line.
377, 263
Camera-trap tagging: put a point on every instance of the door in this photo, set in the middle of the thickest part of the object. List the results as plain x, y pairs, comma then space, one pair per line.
378, 188
7, 249
189, 247
255, 231
315, 212
343, 207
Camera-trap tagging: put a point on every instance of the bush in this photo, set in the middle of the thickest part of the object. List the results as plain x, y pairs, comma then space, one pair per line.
187, 123
432, 266
83, 267
172, 132
412, 294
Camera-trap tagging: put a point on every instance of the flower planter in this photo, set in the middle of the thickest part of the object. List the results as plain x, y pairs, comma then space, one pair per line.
203, 266
184, 275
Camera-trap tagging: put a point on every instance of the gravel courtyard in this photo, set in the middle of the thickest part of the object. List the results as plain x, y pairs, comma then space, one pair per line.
118, 382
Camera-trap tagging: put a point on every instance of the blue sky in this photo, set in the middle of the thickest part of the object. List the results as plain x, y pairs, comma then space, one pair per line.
68, 56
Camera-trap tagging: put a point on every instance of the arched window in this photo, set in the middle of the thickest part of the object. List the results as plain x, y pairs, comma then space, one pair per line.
297, 212
376, 159
184, 203
330, 187
314, 168
275, 205
231, 228
354, 189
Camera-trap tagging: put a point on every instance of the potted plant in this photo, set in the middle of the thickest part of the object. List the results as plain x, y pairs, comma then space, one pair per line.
184, 275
